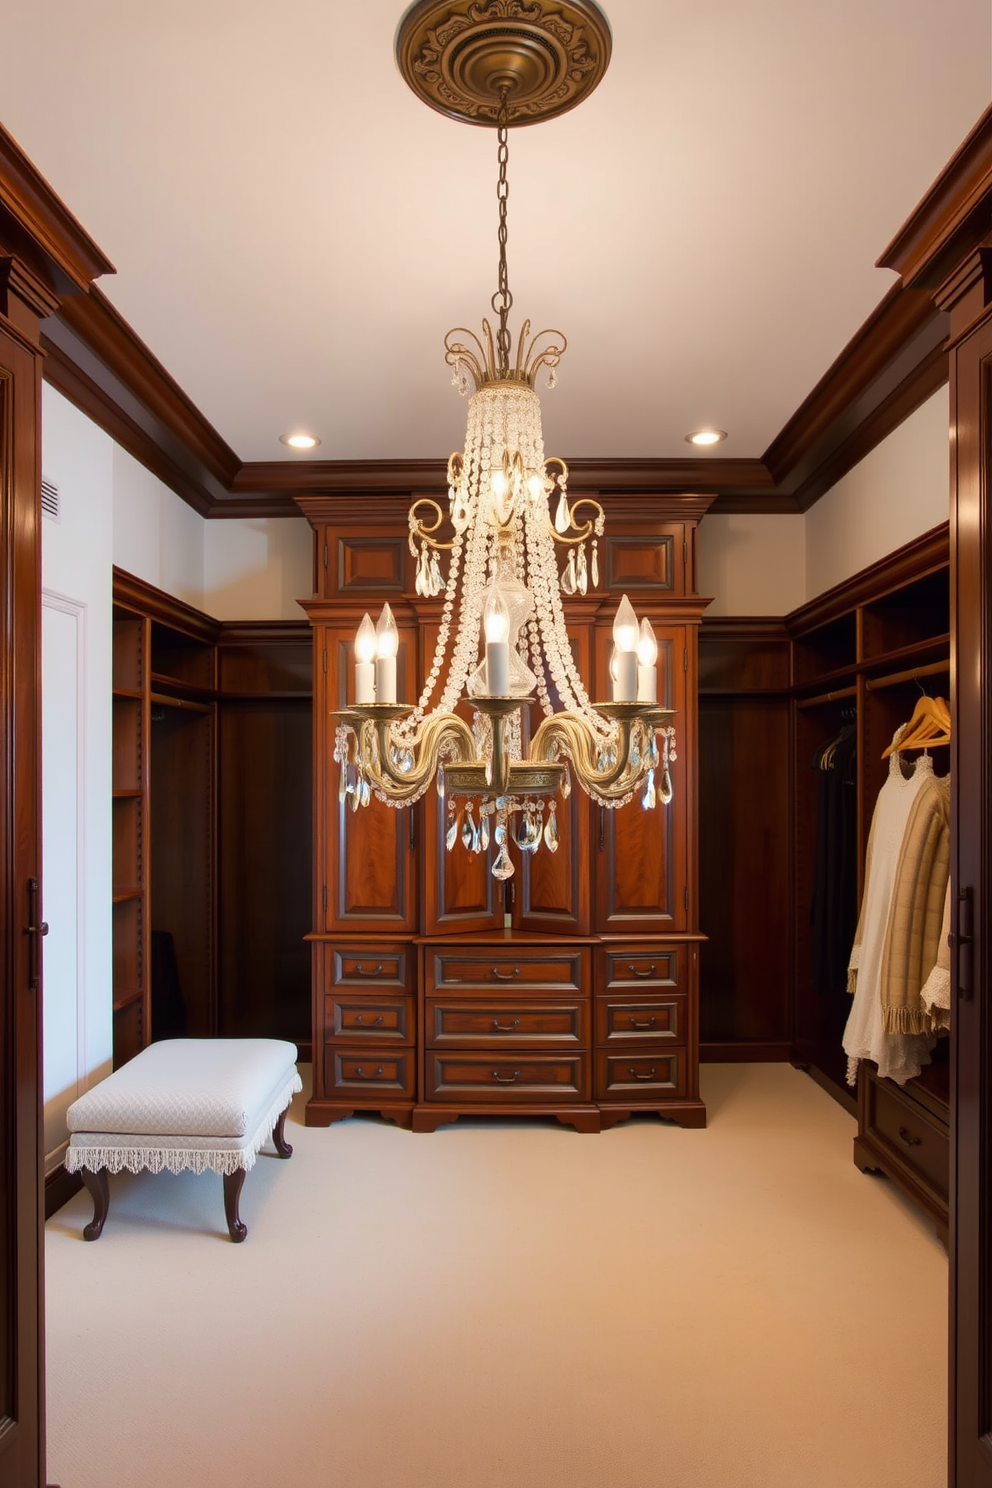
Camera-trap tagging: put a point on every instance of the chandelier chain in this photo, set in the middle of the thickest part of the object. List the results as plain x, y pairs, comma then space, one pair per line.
502, 300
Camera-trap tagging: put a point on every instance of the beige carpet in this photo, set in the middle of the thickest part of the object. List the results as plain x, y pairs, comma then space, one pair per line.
510, 1304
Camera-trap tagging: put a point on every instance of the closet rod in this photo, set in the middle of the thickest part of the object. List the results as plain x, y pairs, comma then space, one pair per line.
170, 702
828, 697
874, 684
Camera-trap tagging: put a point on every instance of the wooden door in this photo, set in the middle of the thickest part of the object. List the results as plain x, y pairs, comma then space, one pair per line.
640, 862
460, 894
553, 888
21, 1157
971, 888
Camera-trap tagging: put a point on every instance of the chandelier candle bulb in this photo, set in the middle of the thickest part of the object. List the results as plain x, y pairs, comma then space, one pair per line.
647, 664
625, 638
387, 645
365, 648
496, 624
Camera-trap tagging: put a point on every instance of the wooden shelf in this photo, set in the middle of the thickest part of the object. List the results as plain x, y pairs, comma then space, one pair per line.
127, 999
128, 692
124, 896
127, 795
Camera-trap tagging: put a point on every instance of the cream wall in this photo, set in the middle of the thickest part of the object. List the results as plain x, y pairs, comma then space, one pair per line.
157, 537
769, 565
897, 492
76, 554
257, 569
752, 565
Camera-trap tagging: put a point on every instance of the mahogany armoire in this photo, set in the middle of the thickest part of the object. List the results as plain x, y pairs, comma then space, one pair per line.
569, 990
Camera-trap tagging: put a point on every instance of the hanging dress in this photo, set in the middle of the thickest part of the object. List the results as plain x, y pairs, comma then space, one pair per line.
897, 1055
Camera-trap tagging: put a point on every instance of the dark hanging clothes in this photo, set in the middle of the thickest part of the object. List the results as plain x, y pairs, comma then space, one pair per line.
834, 910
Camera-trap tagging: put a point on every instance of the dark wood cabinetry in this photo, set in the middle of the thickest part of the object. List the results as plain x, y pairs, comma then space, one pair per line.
863, 653
568, 990
772, 693
211, 823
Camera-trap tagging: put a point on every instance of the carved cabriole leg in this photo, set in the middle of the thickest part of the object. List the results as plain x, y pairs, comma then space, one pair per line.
99, 1191
279, 1136
233, 1184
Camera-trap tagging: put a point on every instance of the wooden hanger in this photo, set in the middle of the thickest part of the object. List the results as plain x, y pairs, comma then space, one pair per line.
929, 724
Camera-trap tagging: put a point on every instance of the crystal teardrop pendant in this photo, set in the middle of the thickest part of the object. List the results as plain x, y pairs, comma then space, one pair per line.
551, 832
568, 577
581, 577
503, 868
366, 794
667, 792
562, 515
468, 828
594, 566
484, 833
649, 799
451, 835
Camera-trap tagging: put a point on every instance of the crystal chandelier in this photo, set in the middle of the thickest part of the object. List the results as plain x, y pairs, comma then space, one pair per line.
513, 542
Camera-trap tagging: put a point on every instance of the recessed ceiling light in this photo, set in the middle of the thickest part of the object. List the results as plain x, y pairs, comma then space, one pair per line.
706, 436
299, 441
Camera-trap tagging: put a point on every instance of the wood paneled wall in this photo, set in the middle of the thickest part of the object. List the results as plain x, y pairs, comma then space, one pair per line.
744, 839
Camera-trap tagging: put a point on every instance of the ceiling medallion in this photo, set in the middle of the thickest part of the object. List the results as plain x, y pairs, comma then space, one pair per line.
461, 57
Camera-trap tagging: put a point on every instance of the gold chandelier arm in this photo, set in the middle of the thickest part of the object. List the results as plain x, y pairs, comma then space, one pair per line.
569, 731
442, 735
424, 529
588, 528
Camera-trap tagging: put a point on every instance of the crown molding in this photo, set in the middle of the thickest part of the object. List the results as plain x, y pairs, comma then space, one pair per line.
896, 360
953, 218
28, 202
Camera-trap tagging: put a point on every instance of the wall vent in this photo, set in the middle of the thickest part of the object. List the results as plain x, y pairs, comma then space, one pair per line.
51, 501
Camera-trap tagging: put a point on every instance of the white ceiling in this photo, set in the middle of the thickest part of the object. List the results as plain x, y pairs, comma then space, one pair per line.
294, 231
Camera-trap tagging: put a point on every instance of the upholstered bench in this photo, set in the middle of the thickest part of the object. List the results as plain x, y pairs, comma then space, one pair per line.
184, 1103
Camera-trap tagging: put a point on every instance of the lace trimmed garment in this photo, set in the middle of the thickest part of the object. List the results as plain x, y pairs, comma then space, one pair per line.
898, 1055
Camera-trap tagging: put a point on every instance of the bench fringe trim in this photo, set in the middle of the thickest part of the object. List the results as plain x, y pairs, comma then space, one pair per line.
137, 1159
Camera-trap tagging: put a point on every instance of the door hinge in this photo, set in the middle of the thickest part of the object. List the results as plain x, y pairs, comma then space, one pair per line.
962, 940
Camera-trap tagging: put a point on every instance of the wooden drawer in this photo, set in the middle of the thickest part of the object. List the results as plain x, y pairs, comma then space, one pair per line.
911, 1137
625, 968
484, 968
452, 1021
511, 1077
369, 1017
625, 1020
640, 1074
372, 1072
374, 967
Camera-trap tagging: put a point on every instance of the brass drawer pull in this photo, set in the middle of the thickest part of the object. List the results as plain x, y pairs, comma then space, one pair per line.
506, 1079
361, 1075
505, 1027
505, 976
642, 974
648, 1076
643, 1022
360, 970
907, 1136
361, 1023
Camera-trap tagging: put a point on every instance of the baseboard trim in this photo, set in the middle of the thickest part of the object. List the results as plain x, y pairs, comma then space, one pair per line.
745, 1052
60, 1187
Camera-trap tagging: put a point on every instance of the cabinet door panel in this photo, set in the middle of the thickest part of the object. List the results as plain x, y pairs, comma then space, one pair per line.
554, 887
369, 877
640, 865
460, 893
